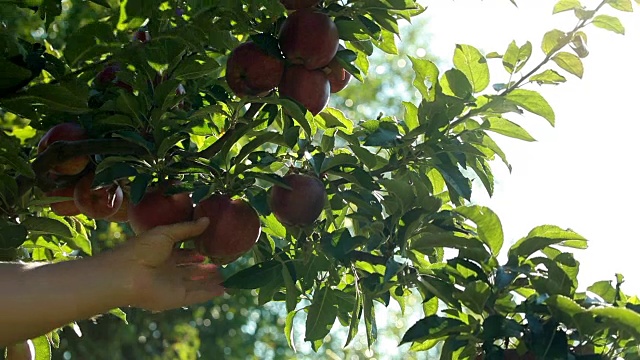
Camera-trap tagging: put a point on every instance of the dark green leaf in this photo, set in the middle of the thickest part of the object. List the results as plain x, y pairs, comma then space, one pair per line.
47, 226
12, 235
321, 315
432, 327
254, 277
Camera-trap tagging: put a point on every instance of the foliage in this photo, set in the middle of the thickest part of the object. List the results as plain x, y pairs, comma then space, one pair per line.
398, 189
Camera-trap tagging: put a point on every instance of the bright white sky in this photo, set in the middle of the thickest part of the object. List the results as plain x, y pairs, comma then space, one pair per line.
582, 173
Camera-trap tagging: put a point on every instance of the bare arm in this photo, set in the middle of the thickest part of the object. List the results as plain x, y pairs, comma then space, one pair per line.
146, 272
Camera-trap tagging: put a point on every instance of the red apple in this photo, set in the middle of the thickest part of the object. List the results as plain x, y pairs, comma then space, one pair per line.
311, 88
109, 76
142, 35
157, 208
97, 203
66, 207
65, 132
233, 229
338, 76
299, 4
310, 38
23, 350
302, 204
251, 71
122, 215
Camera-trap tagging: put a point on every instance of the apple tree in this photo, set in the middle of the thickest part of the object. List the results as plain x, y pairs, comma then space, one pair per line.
147, 113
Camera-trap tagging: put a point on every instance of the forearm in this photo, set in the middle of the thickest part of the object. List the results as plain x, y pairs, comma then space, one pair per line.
36, 299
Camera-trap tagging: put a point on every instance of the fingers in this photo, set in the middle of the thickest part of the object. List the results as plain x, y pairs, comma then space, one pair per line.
187, 256
202, 290
202, 272
180, 231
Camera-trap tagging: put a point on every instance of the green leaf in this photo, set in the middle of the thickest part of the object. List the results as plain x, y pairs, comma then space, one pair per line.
411, 115
426, 77
42, 347
554, 40
475, 295
192, 69
288, 329
432, 327
622, 5
508, 128
566, 5
548, 76
425, 242
47, 226
622, 318
119, 314
12, 235
57, 97
610, 23
369, 319
321, 316
455, 83
542, 236
254, 277
516, 57
355, 318
488, 225
533, 102
470, 61
386, 134
570, 63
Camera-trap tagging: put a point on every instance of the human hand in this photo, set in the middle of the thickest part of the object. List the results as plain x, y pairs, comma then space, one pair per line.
160, 277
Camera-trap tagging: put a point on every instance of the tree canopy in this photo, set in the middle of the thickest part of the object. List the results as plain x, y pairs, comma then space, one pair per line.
164, 96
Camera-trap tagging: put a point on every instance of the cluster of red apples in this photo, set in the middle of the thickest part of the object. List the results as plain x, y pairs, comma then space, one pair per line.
234, 225
310, 71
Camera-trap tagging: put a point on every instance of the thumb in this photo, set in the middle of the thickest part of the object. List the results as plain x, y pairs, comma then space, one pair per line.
181, 231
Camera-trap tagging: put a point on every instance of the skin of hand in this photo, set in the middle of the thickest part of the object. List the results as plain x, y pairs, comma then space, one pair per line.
147, 272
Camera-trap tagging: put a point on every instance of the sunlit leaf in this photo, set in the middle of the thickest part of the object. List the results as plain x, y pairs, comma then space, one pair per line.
470, 61
570, 63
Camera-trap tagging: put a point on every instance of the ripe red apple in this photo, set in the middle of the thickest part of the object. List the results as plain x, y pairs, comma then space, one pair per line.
512, 354
311, 88
302, 204
338, 76
65, 132
233, 229
97, 203
122, 215
142, 35
67, 207
156, 208
109, 76
299, 4
251, 71
23, 350
310, 38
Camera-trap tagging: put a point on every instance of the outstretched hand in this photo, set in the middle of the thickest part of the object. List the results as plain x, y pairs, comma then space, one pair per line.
160, 276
